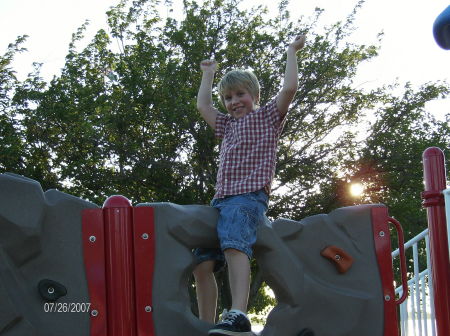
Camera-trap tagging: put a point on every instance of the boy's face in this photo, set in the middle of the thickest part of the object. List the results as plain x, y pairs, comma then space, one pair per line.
239, 102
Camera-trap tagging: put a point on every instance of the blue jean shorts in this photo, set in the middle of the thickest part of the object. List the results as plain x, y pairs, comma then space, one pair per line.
239, 218
210, 253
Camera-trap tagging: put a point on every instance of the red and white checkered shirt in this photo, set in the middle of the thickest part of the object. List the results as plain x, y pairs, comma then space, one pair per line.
248, 150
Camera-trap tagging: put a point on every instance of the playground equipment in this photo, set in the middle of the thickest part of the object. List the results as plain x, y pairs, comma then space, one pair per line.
428, 307
441, 29
425, 311
69, 267
435, 183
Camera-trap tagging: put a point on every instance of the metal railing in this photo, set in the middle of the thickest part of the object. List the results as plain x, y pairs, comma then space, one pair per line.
426, 311
417, 316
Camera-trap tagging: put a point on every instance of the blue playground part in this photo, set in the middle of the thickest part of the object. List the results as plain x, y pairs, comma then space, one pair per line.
441, 29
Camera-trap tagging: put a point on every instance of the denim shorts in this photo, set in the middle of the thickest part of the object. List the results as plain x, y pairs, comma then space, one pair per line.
239, 218
210, 253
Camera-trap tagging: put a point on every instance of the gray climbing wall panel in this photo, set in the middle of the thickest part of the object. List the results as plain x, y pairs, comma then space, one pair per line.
40, 238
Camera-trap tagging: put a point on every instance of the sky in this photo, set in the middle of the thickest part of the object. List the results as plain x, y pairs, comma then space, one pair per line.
408, 50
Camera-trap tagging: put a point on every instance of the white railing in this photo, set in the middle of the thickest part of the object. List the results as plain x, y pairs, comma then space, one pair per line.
446, 193
417, 311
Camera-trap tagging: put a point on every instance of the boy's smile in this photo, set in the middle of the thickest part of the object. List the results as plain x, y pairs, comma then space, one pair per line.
239, 102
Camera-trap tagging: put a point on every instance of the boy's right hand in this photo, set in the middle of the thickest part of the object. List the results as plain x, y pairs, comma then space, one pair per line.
208, 66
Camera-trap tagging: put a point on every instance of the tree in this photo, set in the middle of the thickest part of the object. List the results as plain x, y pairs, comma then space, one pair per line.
389, 163
390, 160
10, 137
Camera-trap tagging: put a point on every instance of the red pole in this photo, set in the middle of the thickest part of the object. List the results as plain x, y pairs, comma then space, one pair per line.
383, 252
435, 183
120, 288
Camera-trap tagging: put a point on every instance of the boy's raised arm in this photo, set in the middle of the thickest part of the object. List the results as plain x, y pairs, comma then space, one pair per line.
204, 96
290, 83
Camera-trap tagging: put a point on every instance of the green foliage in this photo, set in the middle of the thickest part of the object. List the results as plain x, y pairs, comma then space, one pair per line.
9, 133
390, 162
121, 117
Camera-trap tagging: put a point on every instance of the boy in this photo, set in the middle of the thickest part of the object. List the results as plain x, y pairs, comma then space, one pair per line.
246, 170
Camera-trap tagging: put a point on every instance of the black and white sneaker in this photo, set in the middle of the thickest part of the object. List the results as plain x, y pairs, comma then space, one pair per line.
233, 323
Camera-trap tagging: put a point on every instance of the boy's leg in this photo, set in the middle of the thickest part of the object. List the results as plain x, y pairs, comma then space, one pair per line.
239, 276
239, 217
206, 288
236, 322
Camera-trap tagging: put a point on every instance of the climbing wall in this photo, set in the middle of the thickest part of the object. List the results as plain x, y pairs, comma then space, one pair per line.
40, 239
323, 269
331, 296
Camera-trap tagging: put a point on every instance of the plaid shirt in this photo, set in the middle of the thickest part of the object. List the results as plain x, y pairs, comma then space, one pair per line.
248, 150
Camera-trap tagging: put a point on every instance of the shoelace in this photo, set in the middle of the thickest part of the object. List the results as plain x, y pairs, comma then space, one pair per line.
224, 313
229, 317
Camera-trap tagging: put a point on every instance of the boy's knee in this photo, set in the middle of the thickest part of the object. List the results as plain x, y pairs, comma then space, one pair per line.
234, 252
204, 269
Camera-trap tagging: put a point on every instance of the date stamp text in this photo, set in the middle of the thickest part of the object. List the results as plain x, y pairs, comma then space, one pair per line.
66, 307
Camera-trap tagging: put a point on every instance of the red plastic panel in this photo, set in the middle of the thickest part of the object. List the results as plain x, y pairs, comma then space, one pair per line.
144, 252
120, 269
383, 250
94, 264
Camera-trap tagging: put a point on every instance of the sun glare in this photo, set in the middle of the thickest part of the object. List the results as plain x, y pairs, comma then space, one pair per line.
356, 189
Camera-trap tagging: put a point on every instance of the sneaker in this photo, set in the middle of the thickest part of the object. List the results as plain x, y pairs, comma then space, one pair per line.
224, 313
233, 323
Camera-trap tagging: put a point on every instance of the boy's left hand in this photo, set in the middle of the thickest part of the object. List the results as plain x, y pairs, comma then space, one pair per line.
298, 43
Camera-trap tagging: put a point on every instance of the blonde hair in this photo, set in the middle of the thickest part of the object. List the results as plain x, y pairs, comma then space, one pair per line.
236, 79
